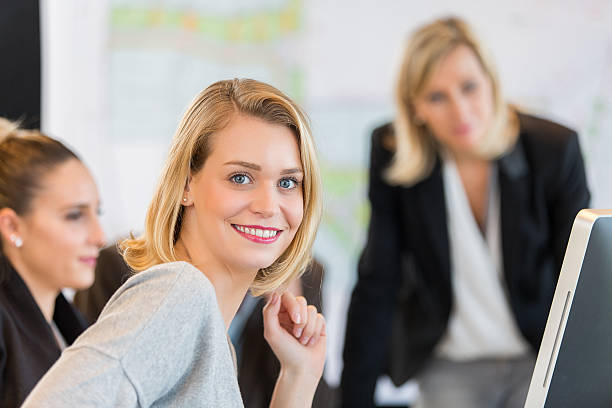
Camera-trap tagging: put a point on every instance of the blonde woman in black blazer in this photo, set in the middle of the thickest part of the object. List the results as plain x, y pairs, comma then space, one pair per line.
450, 105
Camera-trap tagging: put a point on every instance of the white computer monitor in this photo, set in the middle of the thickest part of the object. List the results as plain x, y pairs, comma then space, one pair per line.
574, 364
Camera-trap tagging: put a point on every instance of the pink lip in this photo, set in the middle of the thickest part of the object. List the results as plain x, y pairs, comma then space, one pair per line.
89, 260
255, 238
463, 129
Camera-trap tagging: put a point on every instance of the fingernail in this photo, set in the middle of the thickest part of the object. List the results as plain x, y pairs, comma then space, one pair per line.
305, 340
298, 332
275, 298
297, 319
312, 341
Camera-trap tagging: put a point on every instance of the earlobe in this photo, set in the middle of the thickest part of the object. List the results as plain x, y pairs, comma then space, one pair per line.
186, 200
17, 241
9, 226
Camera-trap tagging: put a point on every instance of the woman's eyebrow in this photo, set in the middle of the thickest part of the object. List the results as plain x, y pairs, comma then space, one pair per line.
244, 164
80, 206
291, 171
258, 167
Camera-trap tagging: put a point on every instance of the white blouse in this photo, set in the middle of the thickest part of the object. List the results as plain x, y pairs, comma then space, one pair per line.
481, 322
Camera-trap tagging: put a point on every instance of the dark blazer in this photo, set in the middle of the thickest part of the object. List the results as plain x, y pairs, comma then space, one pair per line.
111, 272
28, 347
404, 277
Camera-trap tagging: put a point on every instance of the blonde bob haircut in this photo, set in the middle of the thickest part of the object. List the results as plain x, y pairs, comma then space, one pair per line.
210, 112
415, 148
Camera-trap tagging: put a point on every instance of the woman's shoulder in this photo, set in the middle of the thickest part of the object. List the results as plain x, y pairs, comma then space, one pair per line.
172, 276
539, 131
177, 287
550, 148
153, 304
382, 147
383, 138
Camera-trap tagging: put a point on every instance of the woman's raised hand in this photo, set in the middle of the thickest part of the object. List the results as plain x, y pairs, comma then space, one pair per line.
296, 334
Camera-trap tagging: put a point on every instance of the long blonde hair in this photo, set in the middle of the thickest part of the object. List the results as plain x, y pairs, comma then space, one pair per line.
210, 112
415, 150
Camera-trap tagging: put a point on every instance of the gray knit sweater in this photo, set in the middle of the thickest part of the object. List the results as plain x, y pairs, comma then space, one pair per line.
159, 342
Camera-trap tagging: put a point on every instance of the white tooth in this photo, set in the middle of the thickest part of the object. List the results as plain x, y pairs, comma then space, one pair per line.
251, 231
259, 233
239, 228
266, 234
273, 233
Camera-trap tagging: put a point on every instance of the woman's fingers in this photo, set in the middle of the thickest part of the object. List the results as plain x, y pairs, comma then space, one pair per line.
298, 354
311, 325
295, 316
296, 308
299, 328
319, 331
270, 314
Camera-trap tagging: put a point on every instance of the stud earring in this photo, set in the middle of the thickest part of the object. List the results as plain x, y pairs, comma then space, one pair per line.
185, 199
17, 241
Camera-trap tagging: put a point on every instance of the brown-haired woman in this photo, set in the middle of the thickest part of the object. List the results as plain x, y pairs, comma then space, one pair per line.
472, 205
50, 237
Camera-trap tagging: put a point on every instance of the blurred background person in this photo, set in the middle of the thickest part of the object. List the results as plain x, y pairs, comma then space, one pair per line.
472, 204
50, 238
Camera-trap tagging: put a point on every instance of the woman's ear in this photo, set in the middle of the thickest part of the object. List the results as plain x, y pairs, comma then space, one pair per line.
187, 199
10, 229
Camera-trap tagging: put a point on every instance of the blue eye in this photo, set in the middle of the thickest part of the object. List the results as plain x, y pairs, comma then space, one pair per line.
288, 183
240, 179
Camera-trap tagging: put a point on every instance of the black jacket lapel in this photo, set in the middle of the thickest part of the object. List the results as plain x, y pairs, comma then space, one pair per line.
514, 193
431, 208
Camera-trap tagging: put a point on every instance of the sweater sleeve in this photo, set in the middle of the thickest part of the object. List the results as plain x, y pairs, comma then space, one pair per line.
84, 377
140, 347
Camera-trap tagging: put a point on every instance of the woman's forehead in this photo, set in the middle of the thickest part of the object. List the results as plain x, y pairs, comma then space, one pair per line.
253, 140
66, 184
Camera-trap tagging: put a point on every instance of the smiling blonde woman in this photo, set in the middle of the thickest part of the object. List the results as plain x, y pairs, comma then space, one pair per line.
236, 208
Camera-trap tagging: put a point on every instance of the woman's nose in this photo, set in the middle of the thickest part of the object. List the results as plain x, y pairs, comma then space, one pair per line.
460, 107
97, 236
264, 201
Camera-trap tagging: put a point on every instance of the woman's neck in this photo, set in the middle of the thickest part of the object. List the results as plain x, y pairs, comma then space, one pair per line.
466, 158
43, 294
230, 285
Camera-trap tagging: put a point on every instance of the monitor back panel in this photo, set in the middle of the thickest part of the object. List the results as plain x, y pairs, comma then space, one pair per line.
581, 376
